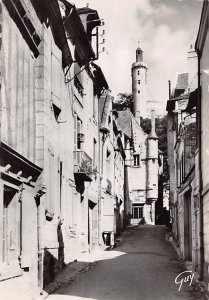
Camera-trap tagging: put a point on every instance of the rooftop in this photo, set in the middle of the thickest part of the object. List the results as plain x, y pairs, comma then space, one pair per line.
181, 84
124, 121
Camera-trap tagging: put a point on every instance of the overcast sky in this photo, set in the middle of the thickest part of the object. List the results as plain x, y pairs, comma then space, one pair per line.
165, 29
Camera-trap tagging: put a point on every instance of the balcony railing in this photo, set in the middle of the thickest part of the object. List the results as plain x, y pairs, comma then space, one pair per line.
82, 165
109, 187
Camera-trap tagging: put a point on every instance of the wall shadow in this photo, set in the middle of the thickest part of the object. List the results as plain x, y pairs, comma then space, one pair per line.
54, 259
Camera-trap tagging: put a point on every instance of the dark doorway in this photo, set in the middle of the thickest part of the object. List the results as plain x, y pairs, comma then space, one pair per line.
187, 227
91, 206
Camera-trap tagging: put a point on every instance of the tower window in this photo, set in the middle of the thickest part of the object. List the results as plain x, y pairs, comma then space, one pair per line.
139, 82
136, 160
138, 91
138, 72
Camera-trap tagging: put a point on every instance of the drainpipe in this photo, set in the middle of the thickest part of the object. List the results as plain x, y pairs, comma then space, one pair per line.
169, 89
40, 252
199, 143
38, 199
99, 179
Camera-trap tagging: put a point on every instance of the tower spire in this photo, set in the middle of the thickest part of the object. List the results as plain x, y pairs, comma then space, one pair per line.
139, 55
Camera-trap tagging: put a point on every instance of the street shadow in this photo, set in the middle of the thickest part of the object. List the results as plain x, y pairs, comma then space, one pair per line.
142, 270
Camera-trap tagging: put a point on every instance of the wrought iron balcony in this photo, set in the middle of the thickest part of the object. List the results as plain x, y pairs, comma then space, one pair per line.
82, 166
109, 187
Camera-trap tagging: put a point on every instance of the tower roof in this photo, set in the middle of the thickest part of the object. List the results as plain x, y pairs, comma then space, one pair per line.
139, 55
139, 49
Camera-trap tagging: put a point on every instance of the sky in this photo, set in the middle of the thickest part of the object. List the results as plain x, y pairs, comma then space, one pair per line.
163, 29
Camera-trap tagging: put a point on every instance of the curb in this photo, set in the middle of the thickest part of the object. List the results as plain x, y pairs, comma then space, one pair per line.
52, 287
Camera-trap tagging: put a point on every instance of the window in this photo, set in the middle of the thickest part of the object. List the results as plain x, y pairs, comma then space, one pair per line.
137, 212
94, 153
78, 135
108, 163
139, 82
56, 111
138, 72
136, 160
138, 91
108, 155
79, 124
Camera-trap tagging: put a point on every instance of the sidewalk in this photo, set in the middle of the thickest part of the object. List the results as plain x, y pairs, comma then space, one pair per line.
83, 263
200, 284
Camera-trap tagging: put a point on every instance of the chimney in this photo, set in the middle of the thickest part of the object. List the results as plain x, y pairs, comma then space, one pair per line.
192, 69
152, 133
169, 89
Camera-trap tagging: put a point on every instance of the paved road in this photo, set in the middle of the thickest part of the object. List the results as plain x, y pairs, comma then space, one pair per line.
143, 267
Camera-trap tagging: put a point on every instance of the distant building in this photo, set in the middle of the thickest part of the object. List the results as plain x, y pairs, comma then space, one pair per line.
143, 168
114, 202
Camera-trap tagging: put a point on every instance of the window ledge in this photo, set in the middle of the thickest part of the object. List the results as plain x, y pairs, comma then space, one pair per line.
10, 271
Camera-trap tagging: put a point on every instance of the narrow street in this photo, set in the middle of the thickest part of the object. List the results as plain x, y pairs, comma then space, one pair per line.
143, 267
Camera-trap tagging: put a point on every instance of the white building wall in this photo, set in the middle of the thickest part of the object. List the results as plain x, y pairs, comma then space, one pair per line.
204, 66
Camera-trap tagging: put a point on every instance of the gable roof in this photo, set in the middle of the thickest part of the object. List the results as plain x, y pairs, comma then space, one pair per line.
181, 84
124, 121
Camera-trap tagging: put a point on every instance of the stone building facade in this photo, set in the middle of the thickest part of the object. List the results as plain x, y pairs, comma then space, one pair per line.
202, 45
188, 157
51, 143
183, 155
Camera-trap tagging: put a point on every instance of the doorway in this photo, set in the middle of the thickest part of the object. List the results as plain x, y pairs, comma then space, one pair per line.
91, 206
137, 213
187, 227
